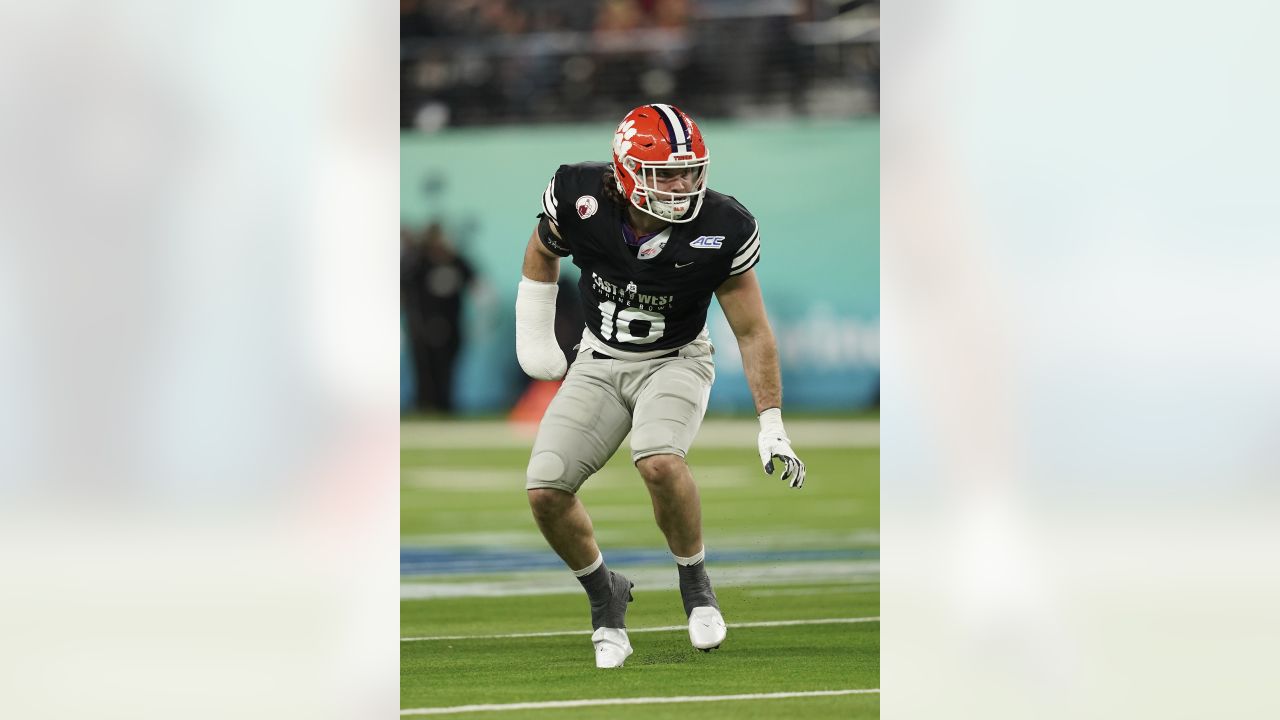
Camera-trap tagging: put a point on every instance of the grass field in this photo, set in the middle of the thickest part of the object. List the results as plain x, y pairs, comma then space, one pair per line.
796, 572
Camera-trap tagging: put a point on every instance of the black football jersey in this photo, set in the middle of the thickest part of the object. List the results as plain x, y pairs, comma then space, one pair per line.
655, 299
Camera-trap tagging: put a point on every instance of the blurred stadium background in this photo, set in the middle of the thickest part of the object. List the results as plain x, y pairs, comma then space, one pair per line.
496, 94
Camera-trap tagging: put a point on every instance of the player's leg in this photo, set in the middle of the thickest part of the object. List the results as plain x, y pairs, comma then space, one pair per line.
668, 412
583, 426
678, 511
565, 524
677, 508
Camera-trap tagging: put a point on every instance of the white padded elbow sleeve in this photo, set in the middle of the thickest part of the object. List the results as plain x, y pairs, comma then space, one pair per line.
536, 348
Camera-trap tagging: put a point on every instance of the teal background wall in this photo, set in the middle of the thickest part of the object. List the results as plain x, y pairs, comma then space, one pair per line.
813, 187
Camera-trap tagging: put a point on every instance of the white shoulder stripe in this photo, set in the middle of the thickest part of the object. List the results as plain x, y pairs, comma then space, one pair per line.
748, 247
746, 251
754, 254
549, 202
747, 264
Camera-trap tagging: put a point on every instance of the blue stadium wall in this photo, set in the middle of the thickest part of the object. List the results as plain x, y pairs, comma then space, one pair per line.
813, 187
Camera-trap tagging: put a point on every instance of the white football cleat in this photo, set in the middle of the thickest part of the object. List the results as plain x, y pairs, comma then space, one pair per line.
706, 628
612, 647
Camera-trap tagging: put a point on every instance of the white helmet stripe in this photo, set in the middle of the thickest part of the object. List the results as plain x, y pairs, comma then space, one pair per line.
677, 127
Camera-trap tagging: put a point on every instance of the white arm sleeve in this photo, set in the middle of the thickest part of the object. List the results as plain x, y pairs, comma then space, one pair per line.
536, 348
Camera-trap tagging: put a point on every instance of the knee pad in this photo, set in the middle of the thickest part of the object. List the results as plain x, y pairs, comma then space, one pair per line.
545, 468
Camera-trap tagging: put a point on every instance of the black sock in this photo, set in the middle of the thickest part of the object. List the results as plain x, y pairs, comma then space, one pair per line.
609, 594
695, 587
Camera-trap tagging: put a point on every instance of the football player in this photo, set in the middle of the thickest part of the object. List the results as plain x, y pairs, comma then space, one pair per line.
653, 244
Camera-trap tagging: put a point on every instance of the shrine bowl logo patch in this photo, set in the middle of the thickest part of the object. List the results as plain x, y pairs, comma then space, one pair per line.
586, 206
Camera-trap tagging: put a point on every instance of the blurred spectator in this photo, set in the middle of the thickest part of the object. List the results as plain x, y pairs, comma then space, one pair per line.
671, 14
618, 16
498, 17
433, 278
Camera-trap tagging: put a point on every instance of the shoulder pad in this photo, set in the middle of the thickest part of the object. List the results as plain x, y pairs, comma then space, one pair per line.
569, 183
730, 214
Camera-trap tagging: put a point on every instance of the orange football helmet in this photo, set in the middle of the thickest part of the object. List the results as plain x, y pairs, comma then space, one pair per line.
660, 162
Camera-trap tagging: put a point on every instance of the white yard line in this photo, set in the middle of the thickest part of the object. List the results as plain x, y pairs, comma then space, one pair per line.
632, 701
776, 540
859, 589
790, 539
667, 628
559, 582
444, 478
715, 433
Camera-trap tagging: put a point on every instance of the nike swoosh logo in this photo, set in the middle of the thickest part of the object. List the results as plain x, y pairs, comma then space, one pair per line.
678, 265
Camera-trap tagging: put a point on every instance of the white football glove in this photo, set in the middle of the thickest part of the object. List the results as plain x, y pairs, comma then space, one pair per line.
536, 348
773, 443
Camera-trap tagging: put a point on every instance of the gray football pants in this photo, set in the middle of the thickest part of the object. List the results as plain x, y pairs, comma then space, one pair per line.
660, 402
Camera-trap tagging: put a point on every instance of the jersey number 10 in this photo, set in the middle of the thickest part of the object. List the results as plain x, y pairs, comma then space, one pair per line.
630, 325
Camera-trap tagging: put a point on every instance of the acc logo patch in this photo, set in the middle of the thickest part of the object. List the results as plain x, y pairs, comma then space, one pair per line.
707, 241
586, 206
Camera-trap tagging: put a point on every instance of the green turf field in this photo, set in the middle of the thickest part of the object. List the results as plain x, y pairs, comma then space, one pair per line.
474, 566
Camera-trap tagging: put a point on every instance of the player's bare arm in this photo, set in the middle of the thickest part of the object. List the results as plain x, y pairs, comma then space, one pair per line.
743, 307
540, 264
536, 349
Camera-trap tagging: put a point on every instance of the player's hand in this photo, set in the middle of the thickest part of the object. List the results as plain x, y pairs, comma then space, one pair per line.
774, 444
